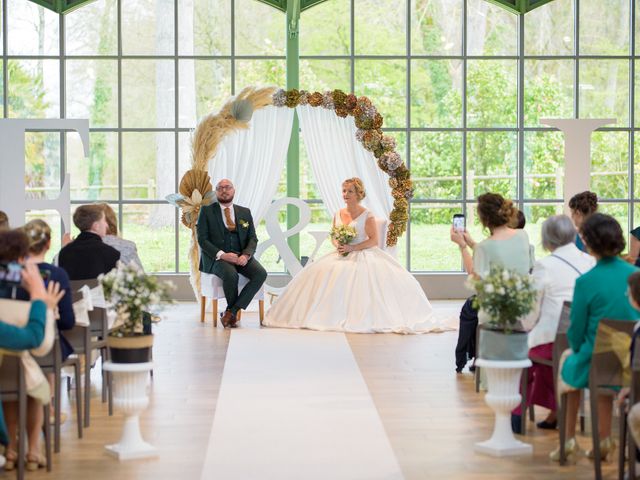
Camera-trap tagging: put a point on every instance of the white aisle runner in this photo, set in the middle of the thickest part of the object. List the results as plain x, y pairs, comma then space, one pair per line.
293, 405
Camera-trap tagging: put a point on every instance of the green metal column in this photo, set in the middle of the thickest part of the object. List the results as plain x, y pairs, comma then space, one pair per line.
293, 155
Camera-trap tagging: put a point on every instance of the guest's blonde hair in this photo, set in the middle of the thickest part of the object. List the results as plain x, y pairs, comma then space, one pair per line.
110, 217
39, 235
358, 186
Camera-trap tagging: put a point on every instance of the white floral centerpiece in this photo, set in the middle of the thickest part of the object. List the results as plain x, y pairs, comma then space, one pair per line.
131, 292
505, 296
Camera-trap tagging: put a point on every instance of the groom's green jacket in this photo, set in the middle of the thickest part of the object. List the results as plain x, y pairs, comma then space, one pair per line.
211, 233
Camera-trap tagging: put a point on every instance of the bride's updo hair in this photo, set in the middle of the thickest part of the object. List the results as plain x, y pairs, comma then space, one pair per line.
39, 235
495, 211
358, 186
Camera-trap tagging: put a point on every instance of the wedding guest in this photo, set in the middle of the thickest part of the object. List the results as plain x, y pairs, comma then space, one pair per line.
599, 293
87, 256
127, 248
520, 221
505, 247
4, 221
554, 277
582, 206
14, 246
39, 235
634, 247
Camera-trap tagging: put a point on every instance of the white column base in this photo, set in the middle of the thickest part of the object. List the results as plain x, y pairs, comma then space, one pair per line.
131, 445
503, 378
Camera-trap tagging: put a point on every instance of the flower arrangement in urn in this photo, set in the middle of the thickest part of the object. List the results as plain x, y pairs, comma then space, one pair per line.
130, 292
505, 296
343, 234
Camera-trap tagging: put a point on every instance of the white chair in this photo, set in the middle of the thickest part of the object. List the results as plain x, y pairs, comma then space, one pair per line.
381, 224
211, 287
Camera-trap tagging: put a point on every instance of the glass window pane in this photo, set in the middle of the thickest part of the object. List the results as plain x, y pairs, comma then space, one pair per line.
436, 93
380, 27
636, 167
32, 30
260, 72
549, 29
42, 167
325, 29
548, 90
148, 27
96, 177
436, 27
148, 165
436, 164
619, 211
492, 93
543, 165
491, 30
604, 90
205, 27
431, 247
384, 82
184, 153
148, 93
610, 164
152, 228
636, 219
264, 37
92, 29
34, 88
492, 163
92, 91
204, 86
604, 27
322, 75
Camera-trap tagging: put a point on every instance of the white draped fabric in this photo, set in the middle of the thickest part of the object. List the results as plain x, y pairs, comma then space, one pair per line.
336, 154
253, 159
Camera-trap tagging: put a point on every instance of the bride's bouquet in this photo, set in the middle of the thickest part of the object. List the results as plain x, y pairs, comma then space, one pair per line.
343, 234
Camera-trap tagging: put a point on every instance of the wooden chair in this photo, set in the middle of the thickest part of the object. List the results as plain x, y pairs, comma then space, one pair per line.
52, 363
634, 397
605, 374
86, 339
211, 287
13, 388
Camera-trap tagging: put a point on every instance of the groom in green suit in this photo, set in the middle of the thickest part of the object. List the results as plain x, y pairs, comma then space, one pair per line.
228, 241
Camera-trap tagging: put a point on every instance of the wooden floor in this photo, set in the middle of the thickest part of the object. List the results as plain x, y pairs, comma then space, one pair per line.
432, 416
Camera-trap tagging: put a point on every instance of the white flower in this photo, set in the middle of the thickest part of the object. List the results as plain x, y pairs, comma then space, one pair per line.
488, 288
501, 291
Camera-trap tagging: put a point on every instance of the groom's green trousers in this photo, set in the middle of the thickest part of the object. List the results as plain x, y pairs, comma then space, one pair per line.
229, 275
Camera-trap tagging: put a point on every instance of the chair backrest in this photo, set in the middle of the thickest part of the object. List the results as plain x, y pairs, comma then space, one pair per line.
561, 343
98, 322
611, 356
635, 372
565, 318
381, 225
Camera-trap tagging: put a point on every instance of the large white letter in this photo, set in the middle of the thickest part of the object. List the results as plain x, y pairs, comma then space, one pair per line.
577, 152
12, 167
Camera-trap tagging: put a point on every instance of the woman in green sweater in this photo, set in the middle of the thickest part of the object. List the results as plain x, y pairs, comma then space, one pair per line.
598, 294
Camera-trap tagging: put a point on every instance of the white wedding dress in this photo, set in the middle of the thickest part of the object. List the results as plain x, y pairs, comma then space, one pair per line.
366, 291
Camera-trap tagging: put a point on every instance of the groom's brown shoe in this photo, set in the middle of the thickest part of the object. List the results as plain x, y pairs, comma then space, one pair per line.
228, 319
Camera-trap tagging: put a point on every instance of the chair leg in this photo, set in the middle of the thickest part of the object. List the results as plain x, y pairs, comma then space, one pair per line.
203, 306
595, 434
562, 424
524, 382
87, 388
631, 454
477, 378
46, 429
261, 310
622, 441
239, 315
57, 406
104, 375
214, 307
22, 423
582, 417
76, 368
110, 392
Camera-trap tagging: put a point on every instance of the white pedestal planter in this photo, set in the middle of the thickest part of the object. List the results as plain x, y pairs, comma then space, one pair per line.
503, 395
130, 396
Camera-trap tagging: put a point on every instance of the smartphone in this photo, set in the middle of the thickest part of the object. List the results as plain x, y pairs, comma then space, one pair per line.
458, 222
10, 274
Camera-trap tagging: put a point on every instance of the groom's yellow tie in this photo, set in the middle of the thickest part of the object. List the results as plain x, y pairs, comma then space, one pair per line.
227, 216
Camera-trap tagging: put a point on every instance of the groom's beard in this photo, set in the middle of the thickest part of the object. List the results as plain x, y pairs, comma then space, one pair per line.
225, 198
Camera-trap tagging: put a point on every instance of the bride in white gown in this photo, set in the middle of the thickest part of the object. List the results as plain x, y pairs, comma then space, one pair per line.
365, 291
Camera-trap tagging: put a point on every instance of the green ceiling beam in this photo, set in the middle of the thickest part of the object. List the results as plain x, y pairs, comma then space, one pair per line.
282, 4
519, 6
61, 6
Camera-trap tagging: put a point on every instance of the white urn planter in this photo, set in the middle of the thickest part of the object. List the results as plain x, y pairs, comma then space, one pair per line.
503, 395
130, 396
